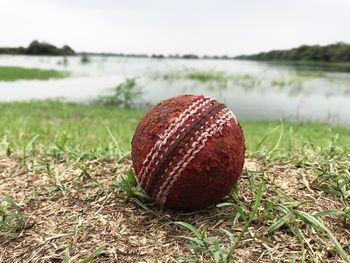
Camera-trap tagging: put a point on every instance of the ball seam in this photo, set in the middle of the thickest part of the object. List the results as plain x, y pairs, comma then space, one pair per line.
197, 146
156, 174
171, 129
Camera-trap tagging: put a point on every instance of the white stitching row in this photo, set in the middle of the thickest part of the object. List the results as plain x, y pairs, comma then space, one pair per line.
191, 153
202, 108
188, 152
195, 137
195, 148
171, 130
164, 137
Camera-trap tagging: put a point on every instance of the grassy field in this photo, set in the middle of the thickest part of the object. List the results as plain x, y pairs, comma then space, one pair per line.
67, 193
19, 73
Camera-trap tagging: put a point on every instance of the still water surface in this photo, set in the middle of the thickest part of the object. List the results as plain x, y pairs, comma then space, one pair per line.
253, 90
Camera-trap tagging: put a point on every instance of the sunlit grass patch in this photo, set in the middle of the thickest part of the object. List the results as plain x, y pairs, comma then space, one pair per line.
53, 125
67, 127
19, 73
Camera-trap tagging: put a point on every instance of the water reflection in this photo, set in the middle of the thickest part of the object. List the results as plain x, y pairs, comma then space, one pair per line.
293, 82
253, 90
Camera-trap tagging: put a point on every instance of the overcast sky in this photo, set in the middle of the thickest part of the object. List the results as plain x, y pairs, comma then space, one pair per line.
178, 26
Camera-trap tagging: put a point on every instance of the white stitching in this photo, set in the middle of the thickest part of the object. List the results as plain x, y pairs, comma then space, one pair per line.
196, 134
164, 136
203, 108
191, 111
223, 111
191, 153
162, 196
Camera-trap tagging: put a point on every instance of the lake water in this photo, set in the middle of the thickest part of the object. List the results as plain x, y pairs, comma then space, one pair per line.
253, 90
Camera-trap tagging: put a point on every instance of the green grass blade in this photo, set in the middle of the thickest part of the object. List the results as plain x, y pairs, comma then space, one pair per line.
252, 217
317, 224
10, 201
66, 258
265, 138
113, 139
279, 223
329, 213
98, 251
279, 138
189, 227
193, 239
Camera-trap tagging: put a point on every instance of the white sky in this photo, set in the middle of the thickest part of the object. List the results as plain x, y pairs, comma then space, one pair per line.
178, 26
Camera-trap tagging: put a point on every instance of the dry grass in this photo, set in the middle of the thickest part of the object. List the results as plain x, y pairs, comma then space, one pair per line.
70, 211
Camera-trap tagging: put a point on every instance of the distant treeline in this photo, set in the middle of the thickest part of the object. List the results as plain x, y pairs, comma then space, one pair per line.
338, 52
43, 48
39, 48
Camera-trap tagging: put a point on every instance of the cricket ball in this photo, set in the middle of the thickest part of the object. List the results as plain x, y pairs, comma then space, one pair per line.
188, 152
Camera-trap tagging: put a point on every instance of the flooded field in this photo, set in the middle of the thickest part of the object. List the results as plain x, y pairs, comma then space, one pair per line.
253, 90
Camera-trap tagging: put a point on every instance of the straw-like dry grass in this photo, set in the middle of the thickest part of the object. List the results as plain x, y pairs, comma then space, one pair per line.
79, 211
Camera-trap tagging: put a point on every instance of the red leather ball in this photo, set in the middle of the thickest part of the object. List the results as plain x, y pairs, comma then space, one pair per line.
188, 152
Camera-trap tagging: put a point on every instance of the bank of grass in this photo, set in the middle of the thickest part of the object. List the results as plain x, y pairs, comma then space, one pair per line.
84, 127
67, 167
87, 127
19, 73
